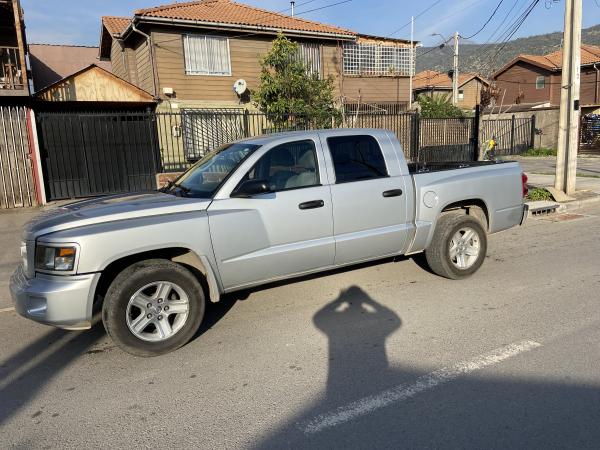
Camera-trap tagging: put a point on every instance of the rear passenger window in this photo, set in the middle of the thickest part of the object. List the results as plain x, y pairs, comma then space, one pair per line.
356, 158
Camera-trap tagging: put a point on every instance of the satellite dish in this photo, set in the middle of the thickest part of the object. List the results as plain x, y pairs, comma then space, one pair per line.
240, 86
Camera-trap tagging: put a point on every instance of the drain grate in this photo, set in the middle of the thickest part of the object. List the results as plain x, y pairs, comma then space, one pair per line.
542, 208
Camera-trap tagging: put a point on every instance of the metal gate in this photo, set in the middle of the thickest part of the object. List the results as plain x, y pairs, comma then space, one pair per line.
589, 134
513, 136
89, 154
16, 180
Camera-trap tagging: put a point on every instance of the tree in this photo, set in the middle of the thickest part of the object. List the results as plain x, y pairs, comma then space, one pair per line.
438, 106
289, 93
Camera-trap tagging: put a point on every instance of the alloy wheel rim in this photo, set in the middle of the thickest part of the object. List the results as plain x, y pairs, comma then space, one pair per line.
157, 311
465, 247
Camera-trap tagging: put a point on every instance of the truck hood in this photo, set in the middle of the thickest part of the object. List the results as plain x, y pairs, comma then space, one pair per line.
110, 209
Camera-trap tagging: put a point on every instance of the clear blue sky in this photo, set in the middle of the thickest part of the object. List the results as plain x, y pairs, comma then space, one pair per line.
78, 21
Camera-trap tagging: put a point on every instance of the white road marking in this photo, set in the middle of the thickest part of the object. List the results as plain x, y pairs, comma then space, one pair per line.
6, 309
405, 391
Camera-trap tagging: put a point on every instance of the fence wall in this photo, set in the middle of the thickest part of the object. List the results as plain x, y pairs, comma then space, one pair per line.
16, 180
513, 136
187, 136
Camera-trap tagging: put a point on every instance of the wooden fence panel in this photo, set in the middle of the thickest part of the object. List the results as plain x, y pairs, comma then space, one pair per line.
16, 182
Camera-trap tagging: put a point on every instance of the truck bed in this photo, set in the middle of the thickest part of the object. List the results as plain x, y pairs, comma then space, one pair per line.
428, 167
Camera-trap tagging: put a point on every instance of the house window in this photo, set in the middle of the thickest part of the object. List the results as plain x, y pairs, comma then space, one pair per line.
377, 59
461, 94
310, 56
206, 55
540, 82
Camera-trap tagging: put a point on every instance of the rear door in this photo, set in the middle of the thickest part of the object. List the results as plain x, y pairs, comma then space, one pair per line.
369, 196
284, 232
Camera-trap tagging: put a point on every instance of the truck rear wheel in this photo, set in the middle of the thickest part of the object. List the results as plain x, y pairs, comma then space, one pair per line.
153, 307
458, 247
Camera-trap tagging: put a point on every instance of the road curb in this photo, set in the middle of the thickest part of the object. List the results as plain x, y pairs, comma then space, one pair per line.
575, 204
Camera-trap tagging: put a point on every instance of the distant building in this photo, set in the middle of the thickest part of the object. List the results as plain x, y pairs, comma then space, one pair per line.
536, 80
51, 63
470, 85
13, 50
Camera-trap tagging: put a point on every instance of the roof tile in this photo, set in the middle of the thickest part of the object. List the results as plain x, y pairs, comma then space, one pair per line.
433, 79
229, 12
115, 25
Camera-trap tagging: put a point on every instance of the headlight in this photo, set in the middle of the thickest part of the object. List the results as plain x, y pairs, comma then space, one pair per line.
55, 258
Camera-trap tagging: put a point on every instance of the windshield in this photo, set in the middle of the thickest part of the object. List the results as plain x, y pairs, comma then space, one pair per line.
205, 177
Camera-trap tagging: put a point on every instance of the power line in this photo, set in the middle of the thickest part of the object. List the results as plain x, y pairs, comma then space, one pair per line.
415, 17
487, 21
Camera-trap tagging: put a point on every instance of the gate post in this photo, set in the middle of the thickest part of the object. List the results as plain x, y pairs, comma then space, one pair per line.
34, 154
414, 138
475, 138
532, 140
512, 134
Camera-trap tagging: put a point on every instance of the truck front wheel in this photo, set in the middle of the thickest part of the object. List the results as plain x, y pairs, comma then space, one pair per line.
458, 247
153, 307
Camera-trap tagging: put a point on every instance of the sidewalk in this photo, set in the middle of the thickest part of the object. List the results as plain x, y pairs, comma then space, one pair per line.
583, 183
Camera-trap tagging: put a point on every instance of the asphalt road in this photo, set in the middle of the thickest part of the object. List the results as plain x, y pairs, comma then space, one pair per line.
382, 356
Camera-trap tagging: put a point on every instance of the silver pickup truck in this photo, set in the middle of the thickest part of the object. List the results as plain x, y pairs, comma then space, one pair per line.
249, 213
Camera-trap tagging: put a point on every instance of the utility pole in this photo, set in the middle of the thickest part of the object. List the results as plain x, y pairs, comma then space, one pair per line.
568, 131
412, 63
455, 71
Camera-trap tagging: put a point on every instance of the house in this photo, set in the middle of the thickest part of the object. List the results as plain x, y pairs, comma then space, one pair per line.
470, 85
536, 80
189, 55
13, 49
51, 63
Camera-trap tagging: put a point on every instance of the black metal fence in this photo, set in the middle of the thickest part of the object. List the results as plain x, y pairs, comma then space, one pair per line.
87, 154
513, 136
186, 136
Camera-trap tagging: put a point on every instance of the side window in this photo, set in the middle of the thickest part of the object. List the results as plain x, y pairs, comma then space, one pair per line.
356, 158
540, 82
288, 166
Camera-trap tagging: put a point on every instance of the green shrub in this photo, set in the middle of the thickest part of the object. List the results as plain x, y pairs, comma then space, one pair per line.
538, 194
540, 151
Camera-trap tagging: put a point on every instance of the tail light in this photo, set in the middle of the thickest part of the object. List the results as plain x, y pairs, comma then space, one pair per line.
524, 182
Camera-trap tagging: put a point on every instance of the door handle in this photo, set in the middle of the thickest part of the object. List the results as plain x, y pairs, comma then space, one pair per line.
393, 193
312, 204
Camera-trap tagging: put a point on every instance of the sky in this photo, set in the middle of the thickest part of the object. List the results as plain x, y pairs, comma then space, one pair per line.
78, 21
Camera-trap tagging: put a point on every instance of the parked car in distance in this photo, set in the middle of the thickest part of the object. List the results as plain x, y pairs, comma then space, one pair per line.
251, 212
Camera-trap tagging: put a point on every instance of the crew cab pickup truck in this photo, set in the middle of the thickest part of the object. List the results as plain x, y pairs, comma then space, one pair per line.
251, 212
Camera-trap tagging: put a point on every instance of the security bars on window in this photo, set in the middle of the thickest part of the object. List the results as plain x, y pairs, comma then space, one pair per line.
378, 60
206, 55
310, 56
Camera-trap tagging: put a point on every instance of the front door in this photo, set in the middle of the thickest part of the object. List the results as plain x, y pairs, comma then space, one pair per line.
369, 200
286, 231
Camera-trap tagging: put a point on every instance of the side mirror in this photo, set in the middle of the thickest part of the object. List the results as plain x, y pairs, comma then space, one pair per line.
250, 188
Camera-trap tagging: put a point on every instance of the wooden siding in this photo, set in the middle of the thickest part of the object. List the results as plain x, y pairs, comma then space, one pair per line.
520, 79
143, 66
471, 94
245, 54
376, 89
117, 60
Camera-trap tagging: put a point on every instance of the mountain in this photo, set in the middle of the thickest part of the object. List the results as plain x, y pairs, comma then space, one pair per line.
487, 58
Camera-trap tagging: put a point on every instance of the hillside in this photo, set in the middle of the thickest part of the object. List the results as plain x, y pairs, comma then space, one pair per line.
480, 58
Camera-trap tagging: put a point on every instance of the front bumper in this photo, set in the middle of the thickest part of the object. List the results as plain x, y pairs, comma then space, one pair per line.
61, 301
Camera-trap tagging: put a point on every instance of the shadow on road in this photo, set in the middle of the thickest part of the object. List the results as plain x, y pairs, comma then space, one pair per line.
27, 372
468, 412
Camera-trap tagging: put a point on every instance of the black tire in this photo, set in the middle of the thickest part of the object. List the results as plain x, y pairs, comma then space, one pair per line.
132, 279
438, 252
